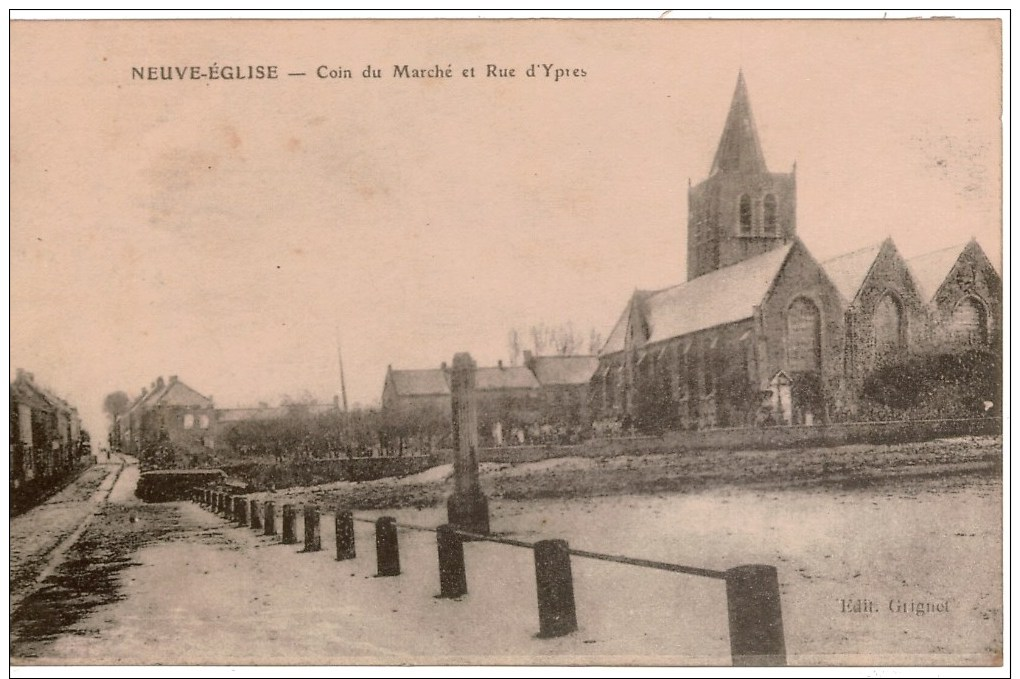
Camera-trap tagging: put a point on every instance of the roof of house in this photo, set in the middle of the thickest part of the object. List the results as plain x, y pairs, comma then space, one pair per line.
558, 370
490, 379
847, 272
176, 393
26, 394
432, 382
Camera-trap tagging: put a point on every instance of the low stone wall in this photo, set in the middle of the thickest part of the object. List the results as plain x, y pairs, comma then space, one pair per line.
751, 438
263, 476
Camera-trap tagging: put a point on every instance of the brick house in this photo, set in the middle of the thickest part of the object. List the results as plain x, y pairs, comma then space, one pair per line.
563, 386
171, 411
512, 400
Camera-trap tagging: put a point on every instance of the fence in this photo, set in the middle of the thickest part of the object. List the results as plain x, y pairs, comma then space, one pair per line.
754, 611
751, 438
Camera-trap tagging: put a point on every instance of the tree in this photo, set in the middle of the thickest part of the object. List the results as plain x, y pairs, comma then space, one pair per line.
561, 340
115, 404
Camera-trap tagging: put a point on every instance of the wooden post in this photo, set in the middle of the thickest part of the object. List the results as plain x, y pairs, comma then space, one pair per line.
253, 515
344, 535
313, 539
387, 551
755, 615
269, 519
289, 525
555, 583
452, 575
467, 508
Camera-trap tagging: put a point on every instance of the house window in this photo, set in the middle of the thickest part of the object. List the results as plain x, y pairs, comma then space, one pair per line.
888, 322
969, 323
803, 336
771, 217
203, 421
745, 215
189, 421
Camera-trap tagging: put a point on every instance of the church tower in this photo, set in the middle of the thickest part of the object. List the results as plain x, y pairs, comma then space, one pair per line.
741, 210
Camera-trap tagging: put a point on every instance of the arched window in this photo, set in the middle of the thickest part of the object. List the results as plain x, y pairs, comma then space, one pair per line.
969, 323
771, 215
745, 215
803, 336
889, 331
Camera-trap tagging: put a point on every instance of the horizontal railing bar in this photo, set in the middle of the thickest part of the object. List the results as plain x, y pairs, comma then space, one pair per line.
492, 538
584, 554
647, 563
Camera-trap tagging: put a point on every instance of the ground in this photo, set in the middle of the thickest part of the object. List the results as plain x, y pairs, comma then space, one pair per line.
172, 583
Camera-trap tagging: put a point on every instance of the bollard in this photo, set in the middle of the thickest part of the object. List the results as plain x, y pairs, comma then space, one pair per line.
253, 515
289, 528
344, 536
755, 615
269, 519
555, 583
387, 551
313, 540
242, 511
452, 576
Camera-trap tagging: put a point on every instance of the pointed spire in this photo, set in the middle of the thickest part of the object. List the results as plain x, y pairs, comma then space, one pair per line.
739, 148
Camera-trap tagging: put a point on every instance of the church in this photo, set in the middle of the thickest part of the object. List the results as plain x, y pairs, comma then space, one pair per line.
763, 333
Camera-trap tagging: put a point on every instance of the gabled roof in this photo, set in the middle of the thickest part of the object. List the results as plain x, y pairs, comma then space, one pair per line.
490, 379
723, 296
930, 270
847, 272
434, 382
25, 393
176, 393
559, 370
739, 147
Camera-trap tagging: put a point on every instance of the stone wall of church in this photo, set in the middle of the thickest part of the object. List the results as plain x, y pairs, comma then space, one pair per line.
802, 278
972, 277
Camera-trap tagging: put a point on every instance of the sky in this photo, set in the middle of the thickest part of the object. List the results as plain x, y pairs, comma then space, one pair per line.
230, 232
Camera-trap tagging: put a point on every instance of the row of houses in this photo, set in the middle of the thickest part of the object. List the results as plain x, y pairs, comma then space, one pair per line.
46, 436
546, 398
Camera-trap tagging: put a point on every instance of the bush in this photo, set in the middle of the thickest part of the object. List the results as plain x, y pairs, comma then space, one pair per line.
940, 385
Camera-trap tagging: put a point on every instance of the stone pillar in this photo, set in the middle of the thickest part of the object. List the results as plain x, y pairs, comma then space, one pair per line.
467, 509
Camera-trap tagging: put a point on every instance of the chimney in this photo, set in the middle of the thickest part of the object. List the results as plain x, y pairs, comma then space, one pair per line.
173, 378
500, 364
528, 357
160, 383
443, 366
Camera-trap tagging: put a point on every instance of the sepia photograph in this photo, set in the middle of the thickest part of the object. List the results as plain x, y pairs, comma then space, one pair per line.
486, 342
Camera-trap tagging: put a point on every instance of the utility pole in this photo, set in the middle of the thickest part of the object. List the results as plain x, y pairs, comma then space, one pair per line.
343, 382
